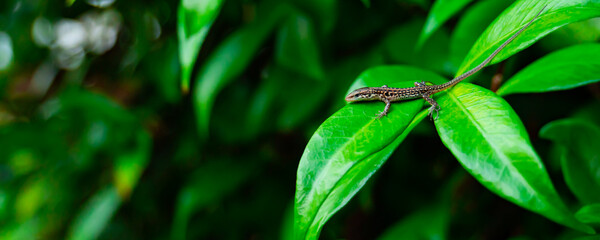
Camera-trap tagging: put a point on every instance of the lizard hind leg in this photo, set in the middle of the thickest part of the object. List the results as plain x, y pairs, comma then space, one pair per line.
434, 106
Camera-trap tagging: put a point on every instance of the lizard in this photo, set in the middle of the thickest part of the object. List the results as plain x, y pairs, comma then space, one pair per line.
422, 89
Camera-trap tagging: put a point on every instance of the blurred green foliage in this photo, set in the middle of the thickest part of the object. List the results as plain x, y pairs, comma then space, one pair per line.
101, 139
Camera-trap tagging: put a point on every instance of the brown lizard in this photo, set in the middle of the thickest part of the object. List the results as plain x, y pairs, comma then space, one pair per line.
422, 89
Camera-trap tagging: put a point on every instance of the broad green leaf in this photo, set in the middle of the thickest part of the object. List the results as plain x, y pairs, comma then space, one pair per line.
297, 47
472, 23
489, 140
130, 165
208, 184
589, 214
69, 2
580, 160
441, 11
400, 45
555, 15
578, 177
229, 59
428, 223
350, 146
568, 68
194, 19
97, 213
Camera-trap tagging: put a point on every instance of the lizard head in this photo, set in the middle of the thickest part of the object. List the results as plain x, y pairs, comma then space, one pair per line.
362, 94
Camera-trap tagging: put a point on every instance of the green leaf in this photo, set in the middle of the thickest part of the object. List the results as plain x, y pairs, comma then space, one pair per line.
589, 214
208, 184
555, 15
351, 146
130, 165
568, 68
229, 60
97, 213
441, 11
297, 48
428, 223
194, 19
489, 140
580, 160
472, 23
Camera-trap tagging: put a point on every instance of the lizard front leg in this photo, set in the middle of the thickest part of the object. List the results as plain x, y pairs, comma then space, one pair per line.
386, 109
434, 106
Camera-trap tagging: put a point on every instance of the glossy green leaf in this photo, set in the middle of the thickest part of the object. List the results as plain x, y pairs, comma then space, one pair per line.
97, 213
428, 223
194, 19
489, 140
297, 47
580, 160
577, 176
208, 184
472, 23
589, 214
441, 11
130, 165
568, 68
229, 59
350, 146
555, 15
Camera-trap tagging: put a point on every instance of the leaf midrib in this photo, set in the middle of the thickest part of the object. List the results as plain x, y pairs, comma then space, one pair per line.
480, 130
337, 153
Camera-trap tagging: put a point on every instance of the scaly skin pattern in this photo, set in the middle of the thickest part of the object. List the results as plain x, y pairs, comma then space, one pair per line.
422, 89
